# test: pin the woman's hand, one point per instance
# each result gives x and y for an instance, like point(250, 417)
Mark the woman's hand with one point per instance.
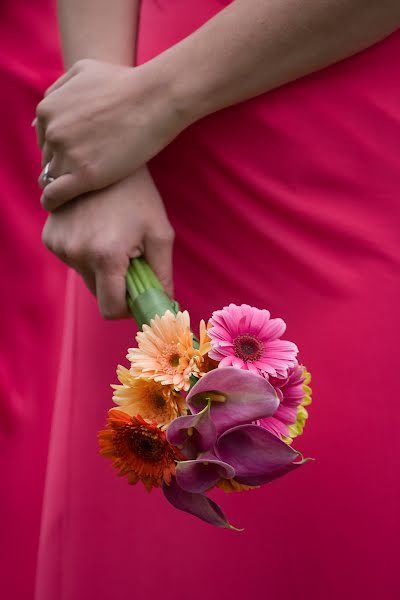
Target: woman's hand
point(99, 122)
point(98, 233)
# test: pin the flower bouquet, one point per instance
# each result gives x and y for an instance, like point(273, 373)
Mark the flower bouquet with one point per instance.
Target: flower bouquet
point(193, 413)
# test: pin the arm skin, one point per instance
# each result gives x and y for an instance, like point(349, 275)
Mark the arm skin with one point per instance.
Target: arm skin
point(254, 46)
point(89, 29)
point(250, 47)
point(98, 233)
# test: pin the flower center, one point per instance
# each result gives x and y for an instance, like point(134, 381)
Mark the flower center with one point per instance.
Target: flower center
point(248, 347)
point(159, 401)
point(169, 359)
point(145, 444)
point(174, 360)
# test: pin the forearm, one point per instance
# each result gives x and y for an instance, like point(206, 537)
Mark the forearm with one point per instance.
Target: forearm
point(253, 46)
point(98, 29)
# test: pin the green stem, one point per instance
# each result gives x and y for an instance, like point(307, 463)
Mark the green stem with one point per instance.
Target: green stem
point(133, 291)
point(145, 294)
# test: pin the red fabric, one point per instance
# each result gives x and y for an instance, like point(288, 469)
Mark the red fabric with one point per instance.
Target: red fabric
point(289, 202)
point(31, 297)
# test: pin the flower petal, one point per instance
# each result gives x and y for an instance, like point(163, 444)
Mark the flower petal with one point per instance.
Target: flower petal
point(257, 455)
point(237, 396)
point(196, 504)
point(200, 475)
point(193, 433)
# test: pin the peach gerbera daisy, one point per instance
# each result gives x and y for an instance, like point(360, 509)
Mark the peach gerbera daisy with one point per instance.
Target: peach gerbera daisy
point(148, 398)
point(138, 449)
point(165, 351)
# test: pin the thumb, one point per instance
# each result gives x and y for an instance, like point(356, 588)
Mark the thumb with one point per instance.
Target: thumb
point(158, 249)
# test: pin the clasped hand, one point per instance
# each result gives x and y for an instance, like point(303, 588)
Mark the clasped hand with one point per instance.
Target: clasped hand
point(97, 127)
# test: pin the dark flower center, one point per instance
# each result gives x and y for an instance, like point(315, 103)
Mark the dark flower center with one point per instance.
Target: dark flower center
point(149, 446)
point(159, 401)
point(248, 347)
point(174, 360)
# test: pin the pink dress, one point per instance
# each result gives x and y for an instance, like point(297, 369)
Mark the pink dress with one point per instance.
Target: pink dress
point(32, 298)
point(291, 202)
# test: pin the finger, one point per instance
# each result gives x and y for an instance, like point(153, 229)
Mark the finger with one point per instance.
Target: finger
point(111, 294)
point(158, 252)
point(40, 126)
point(65, 188)
point(59, 82)
point(52, 169)
point(46, 155)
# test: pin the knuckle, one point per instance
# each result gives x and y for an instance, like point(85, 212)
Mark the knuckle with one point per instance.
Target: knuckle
point(42, 109)
point(163, 237)
point(88, 172)
point(53, 135)
point(73, 251)
point(105, 257)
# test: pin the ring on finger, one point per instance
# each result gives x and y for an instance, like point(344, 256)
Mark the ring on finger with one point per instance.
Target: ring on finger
point(45, 177)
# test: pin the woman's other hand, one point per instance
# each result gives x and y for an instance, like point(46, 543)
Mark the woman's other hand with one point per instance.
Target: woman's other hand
point(99, 122)
point(97, 234)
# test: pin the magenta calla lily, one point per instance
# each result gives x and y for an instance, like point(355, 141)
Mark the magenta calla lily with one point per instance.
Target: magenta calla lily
point(197, 505)
point(201, 474)
point(223, 442)
point(256, 455)
point(193, 433)
point(236, 397)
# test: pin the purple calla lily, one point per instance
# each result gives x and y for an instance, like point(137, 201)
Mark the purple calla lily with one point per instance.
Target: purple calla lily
point(236, 396)
point(196, 504)
point(193, 433)
point(256, 455)
point(222, 441)
point(201, 474)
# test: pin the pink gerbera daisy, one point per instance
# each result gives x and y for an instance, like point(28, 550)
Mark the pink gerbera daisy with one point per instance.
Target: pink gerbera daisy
point(247, 338)
point(295, 394)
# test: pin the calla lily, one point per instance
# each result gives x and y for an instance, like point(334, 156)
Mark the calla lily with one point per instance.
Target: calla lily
point(193, 433)
point(236, 397)
point(256, 455)
point(201, 474)
point(196, 504)
point(223, 442)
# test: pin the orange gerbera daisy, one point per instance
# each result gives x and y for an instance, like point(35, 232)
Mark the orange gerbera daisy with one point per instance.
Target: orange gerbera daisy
point(138, 449)
point(165, 351)
point(152, 400)
point(203, 363)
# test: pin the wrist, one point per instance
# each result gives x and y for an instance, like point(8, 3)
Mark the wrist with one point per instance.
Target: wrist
point(181, 90)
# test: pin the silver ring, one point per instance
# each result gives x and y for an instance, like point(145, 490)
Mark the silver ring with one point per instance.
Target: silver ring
point(45, 177)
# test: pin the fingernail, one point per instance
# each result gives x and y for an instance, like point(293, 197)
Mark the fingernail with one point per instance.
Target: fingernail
point(33, 124)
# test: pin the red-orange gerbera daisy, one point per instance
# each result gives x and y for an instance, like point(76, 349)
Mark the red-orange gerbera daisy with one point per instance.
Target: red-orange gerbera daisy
point(138, 449)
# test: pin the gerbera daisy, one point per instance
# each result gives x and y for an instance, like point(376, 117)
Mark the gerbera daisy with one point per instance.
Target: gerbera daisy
point(165, 351)
point(148, 398)
point(200, 359)
point(138, 449)
point(295, 394)
point(247, 338)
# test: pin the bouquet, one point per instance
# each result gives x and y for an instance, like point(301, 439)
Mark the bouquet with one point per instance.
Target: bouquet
point(193, 414)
